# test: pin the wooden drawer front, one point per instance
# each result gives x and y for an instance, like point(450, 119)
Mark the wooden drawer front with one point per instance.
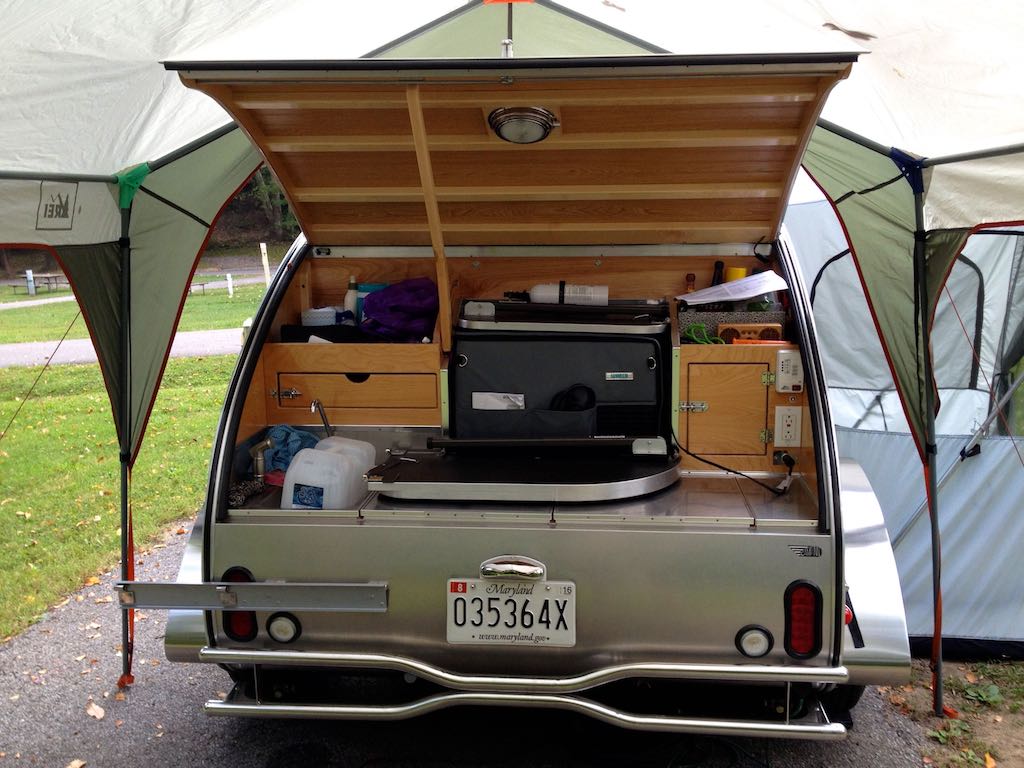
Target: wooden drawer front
point(328, 358)
point(359, 390)
point(737, 411)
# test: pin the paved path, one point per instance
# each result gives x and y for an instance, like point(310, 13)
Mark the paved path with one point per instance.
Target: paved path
point(186, 344)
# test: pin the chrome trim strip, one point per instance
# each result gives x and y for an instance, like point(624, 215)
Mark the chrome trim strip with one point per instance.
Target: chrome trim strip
point(371, 597)
point(328, 251)
point(815, 727)
point(623, 489)
point(490, 683)
point(492, 325)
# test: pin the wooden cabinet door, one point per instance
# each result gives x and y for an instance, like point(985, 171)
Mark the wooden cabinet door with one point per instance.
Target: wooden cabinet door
point(737, 408)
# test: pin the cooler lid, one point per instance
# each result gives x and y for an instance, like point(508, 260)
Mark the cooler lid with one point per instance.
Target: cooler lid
point(638, 150)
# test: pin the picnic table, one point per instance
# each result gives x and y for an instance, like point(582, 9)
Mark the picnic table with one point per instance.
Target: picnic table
point(52, 281)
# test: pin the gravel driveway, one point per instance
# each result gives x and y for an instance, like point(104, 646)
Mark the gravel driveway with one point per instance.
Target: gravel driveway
point(53, 672)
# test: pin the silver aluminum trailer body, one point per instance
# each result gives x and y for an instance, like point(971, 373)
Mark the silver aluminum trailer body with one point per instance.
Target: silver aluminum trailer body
point(705, 586)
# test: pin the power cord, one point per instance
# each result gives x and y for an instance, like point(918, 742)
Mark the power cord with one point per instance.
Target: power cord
point(778, 490)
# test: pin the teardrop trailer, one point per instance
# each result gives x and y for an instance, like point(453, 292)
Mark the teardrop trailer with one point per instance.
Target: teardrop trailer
point(574, 507)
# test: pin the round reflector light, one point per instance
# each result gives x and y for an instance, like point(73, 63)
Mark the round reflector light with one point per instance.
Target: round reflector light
point(754, 641)
point(283, 627)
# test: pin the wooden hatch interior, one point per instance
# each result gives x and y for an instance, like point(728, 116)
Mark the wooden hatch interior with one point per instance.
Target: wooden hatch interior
point(644, 150)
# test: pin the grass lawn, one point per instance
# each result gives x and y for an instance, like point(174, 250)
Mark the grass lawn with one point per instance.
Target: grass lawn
point(211, 311)
point(59, 462)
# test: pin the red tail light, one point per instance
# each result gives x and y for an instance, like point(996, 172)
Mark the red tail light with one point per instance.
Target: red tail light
point(240, 626)
point(803, 620)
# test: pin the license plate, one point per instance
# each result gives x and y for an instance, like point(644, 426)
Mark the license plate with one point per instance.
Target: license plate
point(486, 612)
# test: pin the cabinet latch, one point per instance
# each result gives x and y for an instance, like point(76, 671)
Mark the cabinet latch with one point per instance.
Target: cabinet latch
point(693, 406)
point(767, 436)
point(768, 378)
point(286, 394)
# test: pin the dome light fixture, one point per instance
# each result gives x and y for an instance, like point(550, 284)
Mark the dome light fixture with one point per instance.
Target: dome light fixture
point(522, 125)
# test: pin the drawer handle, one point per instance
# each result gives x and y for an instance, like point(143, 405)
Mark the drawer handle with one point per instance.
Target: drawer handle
point(357, 378)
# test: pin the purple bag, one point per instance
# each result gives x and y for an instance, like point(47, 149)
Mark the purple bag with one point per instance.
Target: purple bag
point(405, 311)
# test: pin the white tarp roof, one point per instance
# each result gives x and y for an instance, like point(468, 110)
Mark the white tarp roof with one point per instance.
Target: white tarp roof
point(84, 91)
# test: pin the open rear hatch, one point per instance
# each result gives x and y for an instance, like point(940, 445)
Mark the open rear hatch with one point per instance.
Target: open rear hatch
point(651, 150)
point(639, 150)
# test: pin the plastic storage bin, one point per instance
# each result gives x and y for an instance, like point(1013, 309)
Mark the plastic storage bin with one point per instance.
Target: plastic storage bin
point(322, 480)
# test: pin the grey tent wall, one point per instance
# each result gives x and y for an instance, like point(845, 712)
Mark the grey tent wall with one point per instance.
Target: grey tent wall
point(981, 529)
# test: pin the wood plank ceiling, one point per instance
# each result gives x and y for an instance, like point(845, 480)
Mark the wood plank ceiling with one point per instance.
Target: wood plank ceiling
point(698, 157)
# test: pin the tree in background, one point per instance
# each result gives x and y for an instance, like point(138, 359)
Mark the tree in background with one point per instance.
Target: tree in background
point(14, 261)
point(265, 190)
point(259, 212)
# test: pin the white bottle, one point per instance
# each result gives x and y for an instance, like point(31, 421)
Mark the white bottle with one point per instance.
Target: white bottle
point(564, 293)
point(352, 300)
point(322, 480)
point(362, 455)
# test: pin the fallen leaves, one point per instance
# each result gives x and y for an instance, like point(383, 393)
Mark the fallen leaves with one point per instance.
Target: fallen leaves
point(76, 764)
point(92, 709)
point(92, 581)
point(989, 761)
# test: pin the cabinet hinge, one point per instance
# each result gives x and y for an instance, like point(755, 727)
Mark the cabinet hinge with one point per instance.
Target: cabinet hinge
point(694, 406)
point(767, 436)
point(768, 378)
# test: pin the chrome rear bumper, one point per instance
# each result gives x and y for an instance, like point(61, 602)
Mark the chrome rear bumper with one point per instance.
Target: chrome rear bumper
point(814, 726)
point(753, 673)
point(543, 693)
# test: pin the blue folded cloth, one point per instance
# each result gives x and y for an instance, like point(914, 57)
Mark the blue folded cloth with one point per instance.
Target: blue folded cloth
point(287, 442)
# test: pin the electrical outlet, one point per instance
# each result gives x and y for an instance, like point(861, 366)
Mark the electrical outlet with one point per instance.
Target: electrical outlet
point(787, 426)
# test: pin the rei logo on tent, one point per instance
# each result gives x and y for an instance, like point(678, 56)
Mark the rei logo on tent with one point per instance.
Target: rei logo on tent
point(56, 204)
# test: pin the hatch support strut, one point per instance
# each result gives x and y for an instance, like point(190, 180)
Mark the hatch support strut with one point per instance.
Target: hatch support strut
point(419, 137)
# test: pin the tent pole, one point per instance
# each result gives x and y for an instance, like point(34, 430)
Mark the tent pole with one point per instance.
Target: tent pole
point(127, 570)
point(856, 138)
point(930, 447)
